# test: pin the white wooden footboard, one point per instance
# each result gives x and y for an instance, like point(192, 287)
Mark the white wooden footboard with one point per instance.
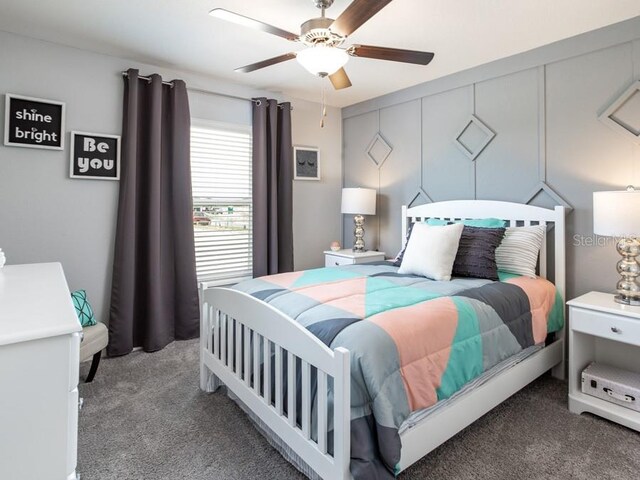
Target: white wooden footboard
point(240, 337)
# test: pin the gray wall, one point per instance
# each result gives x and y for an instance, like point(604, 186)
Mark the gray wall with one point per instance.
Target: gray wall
point(316, 204)
point(45, 216)
point(543, 106)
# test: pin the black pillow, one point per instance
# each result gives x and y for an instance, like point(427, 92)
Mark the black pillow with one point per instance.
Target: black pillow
point(476, 255)
point(398, 261)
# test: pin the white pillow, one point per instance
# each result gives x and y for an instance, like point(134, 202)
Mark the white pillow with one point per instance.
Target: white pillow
point(431, 250)
point(518, 251)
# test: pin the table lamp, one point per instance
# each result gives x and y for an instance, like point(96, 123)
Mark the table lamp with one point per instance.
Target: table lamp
point(617, 214)
point(359, 202)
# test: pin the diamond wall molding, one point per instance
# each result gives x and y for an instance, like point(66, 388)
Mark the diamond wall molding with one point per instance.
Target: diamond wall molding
point(474, 137)
point(418, 194)
point(544, 187)
point(623, 115)
point(379, 150)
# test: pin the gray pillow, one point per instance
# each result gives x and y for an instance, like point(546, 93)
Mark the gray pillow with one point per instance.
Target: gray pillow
point(476, 255)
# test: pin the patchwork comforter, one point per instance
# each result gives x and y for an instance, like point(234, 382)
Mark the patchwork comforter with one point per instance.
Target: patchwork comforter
point(413, 341)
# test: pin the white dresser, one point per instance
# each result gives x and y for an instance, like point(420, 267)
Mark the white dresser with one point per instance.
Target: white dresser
point(39, 366)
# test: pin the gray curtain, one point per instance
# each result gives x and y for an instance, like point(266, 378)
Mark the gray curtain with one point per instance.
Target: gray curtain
point(272, 188)
point(154, 294)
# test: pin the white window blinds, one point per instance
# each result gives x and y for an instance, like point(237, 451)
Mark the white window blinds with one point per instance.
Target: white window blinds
point(222, 209)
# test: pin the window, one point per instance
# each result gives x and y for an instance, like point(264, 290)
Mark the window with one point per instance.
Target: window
point(222, 210)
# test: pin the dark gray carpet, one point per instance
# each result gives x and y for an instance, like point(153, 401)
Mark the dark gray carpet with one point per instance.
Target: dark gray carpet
point(144, 417)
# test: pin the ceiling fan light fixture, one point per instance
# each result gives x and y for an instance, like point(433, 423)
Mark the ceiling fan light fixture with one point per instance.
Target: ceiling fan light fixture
point(322, 60)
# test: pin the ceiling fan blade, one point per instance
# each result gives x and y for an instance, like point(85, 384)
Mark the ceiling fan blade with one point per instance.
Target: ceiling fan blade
point(340, 79)
point(266, 63)
point(356, 14)
point(251, 23)
point(392, 54)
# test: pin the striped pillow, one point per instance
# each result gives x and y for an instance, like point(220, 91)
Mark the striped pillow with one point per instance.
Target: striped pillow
point(518, 252)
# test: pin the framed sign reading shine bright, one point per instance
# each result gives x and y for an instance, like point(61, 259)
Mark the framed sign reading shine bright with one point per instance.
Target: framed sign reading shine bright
point(33, 122)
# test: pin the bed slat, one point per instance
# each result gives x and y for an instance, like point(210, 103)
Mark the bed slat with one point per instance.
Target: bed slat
point(341, 408)
point(306, 407)
point(239, 328)
point(256, 363)
point(322, 411)
point(207, 315)
point(223, 338)
point(247, 357)
point(278, 360)
point(216, 322)
point(266, 371)
point(291, 389)
point(231, 325)
point(543, 252)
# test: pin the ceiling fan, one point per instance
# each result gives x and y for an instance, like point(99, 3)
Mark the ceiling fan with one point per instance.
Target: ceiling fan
point(324, 55)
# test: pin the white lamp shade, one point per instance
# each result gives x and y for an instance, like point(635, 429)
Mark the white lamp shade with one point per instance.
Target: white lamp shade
point(616, 214)
point(322, 60)
point(359, 201)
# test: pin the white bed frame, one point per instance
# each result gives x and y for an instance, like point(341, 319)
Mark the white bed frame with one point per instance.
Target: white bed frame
point(269, 335)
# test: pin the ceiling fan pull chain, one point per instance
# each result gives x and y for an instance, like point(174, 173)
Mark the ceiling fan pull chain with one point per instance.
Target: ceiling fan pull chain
point(323, 110)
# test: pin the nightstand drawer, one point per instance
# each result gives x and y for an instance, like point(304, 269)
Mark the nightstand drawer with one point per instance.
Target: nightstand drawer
point(613, 327)
point(334, 261)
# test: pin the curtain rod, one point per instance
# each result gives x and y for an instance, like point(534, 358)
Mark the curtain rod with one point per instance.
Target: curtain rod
point(200, 90)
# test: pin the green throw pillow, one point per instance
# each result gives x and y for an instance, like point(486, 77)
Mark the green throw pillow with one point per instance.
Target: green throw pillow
point(472, 222)
point(83, 308)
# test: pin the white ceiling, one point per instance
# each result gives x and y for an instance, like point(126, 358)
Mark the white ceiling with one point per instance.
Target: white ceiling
point(179, 34)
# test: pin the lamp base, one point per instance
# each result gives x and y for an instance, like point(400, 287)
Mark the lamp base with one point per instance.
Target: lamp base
point(626, 300)
point(627, 288)
point(358, 232)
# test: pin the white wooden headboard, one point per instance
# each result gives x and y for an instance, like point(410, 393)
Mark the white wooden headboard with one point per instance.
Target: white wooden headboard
point(516, 214)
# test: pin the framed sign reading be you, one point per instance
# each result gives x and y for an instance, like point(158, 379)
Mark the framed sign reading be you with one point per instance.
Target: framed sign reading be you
point(95, 156)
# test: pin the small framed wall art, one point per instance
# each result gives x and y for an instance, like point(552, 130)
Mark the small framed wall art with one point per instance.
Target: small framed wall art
point(94, 156)
point(33, 122)
point(306, 163)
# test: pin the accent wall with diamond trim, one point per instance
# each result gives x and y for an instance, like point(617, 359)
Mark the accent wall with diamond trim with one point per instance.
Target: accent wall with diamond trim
point(546, 127)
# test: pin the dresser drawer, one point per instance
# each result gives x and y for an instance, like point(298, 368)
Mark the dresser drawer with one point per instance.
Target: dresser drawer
point(334, 261)
point(614, 327)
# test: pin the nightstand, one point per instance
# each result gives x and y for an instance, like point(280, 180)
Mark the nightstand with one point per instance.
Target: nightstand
point(603, 331)
point(348, 257)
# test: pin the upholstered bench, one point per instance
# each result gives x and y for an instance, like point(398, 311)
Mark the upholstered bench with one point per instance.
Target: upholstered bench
point(94, 340)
